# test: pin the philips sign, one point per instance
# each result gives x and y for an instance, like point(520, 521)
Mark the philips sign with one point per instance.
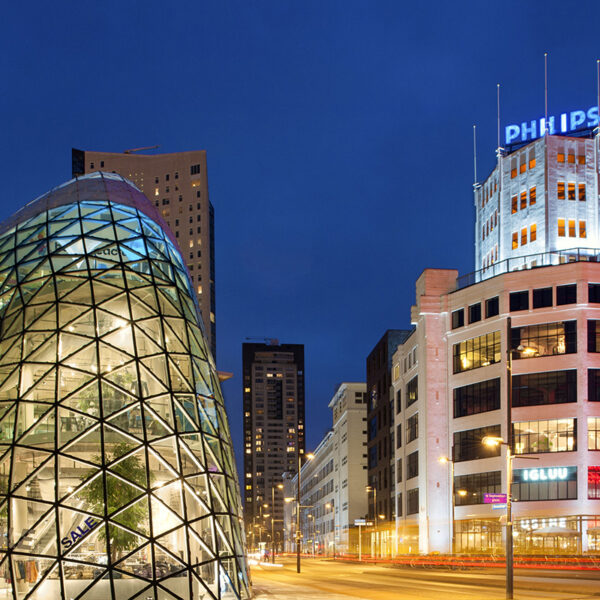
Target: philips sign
point(571, 121)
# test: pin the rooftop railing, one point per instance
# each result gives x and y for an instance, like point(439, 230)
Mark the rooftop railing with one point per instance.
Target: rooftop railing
point(530, 261)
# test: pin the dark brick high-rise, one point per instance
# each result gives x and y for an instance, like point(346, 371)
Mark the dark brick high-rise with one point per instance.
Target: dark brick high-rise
point(380, 420)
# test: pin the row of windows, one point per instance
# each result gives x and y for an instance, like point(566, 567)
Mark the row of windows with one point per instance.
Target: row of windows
point(560, 158)
point(492, 309)
point(551, 435)
point(542, 297)
point(562, 224)
point(524, 164)
point(573, 191)
point(487, 191)
point(489, 225)
point(523, 236)
point(529, 389)
point(490, 258)
point(520, 200)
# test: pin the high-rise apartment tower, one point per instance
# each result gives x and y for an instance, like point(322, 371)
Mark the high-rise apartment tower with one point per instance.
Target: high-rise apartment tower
point(177, 185)
point(273, 430)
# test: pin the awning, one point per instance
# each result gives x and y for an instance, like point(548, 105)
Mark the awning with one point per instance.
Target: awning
point(555, 531)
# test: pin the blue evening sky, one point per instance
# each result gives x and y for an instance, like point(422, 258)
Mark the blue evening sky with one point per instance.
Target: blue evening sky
point(338, 133)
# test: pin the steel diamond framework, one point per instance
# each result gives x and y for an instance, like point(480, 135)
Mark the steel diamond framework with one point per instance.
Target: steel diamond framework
point(117, 477)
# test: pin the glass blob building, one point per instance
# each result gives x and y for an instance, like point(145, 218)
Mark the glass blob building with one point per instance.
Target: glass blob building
point(117, 476)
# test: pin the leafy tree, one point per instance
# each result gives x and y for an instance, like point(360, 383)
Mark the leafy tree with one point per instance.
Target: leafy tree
point(119, 494)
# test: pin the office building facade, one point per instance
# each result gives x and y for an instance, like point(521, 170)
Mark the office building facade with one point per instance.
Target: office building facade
point(547, 319)
point(117, 478)
point(177, 185)
point(274, 435)
point(333, 482)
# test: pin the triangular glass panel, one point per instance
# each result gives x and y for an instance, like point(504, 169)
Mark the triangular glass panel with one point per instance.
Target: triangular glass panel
point(136, 517)
point(150, 385)
point(113, 398)
point(129, 420)
point(161, 405)
point(135, 280)
point(86, 399)
point(160, 469)
point(70, 343)
point(118, 306)
point(155, 428)
point(110, 357)
point(7, 425)
point(104, 291)
point(125, 377)
point(19, 532)
point(43, 380)
point(40, 317)
point(185, 424)
point(82, 325)
point(71, 424)
point(10, 350)
point(42, 433)
point(122, 338)
point(193, 442)
point(157, 366)
point(163, 519)
point(136, 563)
point(46, 352)
point(118, 442)
point(172, 495)
point(80, 447)
point(108, 322)
point(146, 295)
point(196, 509)
point(120, 493)
point(189, 462)
point(86, 359)
point(167, 448)
point(180, 371)
point(145, 346)
point(40, 539)
point(152, 328)
point(34, 483)
point(166, 305)
point(77, 527)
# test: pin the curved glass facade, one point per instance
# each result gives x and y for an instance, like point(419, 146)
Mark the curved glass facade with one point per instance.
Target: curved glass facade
point(117, 477)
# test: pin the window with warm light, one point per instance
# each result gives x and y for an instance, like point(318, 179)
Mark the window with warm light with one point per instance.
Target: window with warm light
point(561, 228)
point(477, 352)
point(560, 157)
point(571, 191)
point(582, 229)
point(581, 190)
point(524, 236)
point(552, 435)
point(532, 195)
point(523, 200)
point(560, 190)
point(593, 424)
point(572, 231)
point(515, 240)
point(533, 232)
point(514, 204)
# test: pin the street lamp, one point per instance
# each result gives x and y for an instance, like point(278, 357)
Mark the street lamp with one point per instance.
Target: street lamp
point(299, 530)
point(280, 487)
point(490, 442)
point(372, 488)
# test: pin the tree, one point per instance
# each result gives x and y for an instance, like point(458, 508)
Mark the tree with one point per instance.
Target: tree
point(118, 495)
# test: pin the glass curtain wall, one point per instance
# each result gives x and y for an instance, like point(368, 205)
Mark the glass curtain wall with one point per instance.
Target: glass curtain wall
point(117, 477)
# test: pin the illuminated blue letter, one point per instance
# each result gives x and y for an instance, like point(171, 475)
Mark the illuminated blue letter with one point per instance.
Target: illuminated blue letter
point(512, 133)
point(592, 116)
point(528, 130)
point(577, 118)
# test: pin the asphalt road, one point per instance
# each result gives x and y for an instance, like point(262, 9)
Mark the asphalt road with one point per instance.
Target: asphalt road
point(328, 580)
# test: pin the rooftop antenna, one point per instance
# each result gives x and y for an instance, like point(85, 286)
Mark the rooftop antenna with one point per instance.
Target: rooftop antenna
point(598, 87)
point(545, 93)
point(498, 109)
point(474, 155)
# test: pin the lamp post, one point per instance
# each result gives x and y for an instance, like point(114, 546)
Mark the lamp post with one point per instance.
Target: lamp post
point(498, 441)
point(373, 488)
point(280, 487)
point(298, 528)
point(450, 462)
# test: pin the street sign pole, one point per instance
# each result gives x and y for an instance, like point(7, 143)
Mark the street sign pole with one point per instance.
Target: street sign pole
point(359, 543)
